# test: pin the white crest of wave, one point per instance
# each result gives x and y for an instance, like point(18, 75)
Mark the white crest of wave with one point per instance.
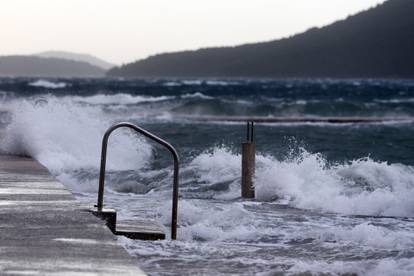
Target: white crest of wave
point(192, 82)
point(196, 95)
point(48, 84)
point(308, 181)
point(367, 234)
point(363, 187)
point(394, 100)
point(119, 99)
point(385, 267)
point(198, 221)
point(171, 83)
point(218, 82)
point(220, 164)
point(65, 136)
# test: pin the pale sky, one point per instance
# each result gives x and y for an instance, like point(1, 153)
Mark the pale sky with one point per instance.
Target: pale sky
point(121, 31)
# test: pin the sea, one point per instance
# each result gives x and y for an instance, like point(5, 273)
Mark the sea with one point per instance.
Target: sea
point(331, 198)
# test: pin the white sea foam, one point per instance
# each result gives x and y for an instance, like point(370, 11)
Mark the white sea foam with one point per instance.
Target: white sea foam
point(119, 99)
point(385, 267)
point(219, 83)
point(217, 166)
point(208, 82)
point(308, 181)
point(367, 234)
point(394, 100)
point(172, 83)
point(220, 164)
point(192, 82)
point(363, 187)
point(65, 136)
point(48, 84)
point(199, 221)
point(196, 95)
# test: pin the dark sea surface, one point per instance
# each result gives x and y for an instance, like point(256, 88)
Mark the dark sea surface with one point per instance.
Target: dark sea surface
point(331, 199)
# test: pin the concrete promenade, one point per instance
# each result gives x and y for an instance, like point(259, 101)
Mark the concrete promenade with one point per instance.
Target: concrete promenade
point(45, 231)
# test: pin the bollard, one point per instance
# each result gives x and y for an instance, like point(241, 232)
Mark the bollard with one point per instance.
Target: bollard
point(248, 163)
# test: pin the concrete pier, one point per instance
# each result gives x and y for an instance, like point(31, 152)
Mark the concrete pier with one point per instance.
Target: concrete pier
point(44, 230)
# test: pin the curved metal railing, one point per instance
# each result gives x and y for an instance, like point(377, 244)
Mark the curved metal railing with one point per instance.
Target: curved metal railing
point(160, 141)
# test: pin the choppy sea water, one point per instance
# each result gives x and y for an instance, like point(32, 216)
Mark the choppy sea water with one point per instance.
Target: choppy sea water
point(331, 199)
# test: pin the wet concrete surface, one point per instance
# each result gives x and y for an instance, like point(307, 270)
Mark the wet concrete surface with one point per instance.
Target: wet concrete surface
point(44, 230)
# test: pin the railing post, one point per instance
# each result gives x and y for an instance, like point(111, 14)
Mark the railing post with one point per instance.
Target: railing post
point(174, 211)
point(102, 169)
point(248, 163)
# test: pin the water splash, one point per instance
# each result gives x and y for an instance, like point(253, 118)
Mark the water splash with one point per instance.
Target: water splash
point(65, 136)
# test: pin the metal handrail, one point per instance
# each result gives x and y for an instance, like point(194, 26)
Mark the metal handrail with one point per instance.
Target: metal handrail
point(160, 141)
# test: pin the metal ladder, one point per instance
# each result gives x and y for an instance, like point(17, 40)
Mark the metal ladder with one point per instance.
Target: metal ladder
point(110, 216)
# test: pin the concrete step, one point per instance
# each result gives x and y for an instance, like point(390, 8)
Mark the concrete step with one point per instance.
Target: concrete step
point(136, 229)
point(139, 229)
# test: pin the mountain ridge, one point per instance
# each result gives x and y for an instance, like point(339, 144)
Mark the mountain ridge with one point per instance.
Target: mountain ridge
point(93, 60)
point(33, 66)
point(375, 43)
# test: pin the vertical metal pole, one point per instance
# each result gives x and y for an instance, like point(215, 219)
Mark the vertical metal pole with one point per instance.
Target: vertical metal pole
point(102, 169)
point(248, 164)
point(174, 210)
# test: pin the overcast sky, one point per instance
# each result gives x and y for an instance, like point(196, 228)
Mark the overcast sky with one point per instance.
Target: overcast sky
point(125, 30)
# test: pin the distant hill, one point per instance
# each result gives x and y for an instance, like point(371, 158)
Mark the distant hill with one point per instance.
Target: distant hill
point(377, 43)
point(32, 66)
point(77, 57)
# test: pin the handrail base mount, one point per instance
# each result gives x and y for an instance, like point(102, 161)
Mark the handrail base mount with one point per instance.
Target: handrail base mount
point(136, 229)
point(107, 214)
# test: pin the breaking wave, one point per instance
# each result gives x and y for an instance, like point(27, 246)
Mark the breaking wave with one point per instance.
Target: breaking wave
point(65, 136)
point(308, 181)
point(119, 99)
point(197, 95)
point(48, 84)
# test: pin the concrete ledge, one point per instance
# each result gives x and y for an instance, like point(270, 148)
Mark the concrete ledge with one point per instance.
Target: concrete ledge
point(45, 231)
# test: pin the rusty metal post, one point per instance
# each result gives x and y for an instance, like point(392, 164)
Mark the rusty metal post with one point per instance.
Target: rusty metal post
point(248, 163)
